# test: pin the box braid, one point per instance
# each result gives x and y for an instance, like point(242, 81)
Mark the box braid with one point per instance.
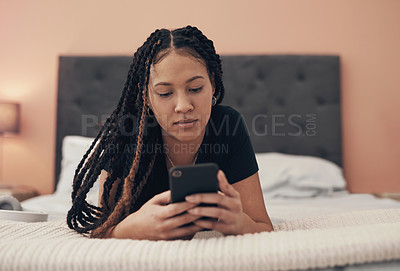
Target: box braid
point(193, 38)
point(84, 217)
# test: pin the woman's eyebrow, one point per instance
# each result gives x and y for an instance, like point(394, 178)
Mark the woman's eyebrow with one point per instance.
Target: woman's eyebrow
point(169, 84)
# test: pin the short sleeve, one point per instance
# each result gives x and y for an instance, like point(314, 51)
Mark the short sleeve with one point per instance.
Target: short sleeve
point(241, 162)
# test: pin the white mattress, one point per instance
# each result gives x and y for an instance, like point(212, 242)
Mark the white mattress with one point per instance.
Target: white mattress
point(351, 238)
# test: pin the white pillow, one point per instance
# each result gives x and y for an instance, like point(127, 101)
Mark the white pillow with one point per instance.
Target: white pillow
point(73, 150)
point(286, 175)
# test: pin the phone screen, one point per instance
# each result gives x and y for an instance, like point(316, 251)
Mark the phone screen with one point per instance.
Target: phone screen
point(187, 180)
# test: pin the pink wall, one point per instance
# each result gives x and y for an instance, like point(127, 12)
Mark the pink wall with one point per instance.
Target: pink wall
point(363, 32)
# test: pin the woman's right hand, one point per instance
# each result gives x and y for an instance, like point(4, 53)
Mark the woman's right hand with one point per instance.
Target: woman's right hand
point(158, 219)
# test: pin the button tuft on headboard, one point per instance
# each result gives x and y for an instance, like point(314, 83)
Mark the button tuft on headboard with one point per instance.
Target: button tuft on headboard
point(321, 101)
point(77, 101)
point(321, 152)
point(280, 101)
point(260, 75)
point(301, 77)
point(99, 76)
point(239, 101)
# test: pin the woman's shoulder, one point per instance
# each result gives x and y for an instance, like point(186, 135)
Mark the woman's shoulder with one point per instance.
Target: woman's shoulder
point(225, 121)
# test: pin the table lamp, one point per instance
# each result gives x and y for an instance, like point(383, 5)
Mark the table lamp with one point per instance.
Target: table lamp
point(9, 123)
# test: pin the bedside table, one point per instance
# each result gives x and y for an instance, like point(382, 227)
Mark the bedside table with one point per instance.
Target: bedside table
point(391, 195)
point(20, 192)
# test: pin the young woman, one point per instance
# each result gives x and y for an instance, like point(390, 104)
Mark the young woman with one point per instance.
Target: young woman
point(169, 114)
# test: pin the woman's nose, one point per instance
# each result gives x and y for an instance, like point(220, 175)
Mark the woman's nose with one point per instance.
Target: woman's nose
point(183, 104)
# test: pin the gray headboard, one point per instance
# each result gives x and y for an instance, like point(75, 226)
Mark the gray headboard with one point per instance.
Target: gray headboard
point(291, 103)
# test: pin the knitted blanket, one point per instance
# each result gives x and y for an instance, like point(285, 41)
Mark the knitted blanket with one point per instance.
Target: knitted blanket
point(318, 242)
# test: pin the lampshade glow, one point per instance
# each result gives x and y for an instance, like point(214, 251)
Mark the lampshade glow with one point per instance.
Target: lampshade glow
point(9, 117)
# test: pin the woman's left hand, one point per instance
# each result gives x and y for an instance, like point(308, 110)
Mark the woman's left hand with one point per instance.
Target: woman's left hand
point(228, 216)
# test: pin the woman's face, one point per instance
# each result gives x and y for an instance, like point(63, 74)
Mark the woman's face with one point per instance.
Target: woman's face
point(180, 95)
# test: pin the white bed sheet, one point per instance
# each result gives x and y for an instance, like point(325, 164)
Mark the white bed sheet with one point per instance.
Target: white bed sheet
point(55, 205)
point(287, 209)
point(279, 209)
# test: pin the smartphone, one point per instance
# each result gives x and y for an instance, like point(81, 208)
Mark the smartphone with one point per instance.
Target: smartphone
point(187, 180)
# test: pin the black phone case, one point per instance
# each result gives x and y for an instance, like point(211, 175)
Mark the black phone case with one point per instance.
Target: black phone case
point(187, 180)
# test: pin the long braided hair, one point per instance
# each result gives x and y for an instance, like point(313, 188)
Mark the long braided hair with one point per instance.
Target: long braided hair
point(132, 124)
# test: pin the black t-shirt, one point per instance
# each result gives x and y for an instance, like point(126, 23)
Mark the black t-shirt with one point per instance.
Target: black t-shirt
point(226, 142)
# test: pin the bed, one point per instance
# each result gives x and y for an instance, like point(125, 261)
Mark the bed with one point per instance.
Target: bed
point(291, 105)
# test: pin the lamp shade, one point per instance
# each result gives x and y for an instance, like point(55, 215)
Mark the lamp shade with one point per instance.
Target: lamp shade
point(9, 117)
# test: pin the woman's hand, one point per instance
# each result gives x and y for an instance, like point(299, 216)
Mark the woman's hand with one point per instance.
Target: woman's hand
point(159, 220)
point(229, 217)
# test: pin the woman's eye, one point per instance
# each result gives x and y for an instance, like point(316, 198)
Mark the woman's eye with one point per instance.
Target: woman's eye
point(196, 89)
point(164, 94)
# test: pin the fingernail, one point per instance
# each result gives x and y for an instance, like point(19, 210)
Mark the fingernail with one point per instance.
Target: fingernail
point(190, 198)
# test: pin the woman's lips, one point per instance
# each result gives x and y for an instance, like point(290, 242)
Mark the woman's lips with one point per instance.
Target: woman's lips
point(186, 123)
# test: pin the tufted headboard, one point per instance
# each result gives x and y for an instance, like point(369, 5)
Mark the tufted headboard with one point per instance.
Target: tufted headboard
point(291, 103)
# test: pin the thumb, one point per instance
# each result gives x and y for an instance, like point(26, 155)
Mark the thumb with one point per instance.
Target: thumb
point(224, 185)
point(163, 198)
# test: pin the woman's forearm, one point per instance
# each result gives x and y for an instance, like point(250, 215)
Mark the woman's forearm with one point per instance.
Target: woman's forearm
point(115, 232)
point(110, 233)
point(122, 231)
point(250, 226)
point(119, 232)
